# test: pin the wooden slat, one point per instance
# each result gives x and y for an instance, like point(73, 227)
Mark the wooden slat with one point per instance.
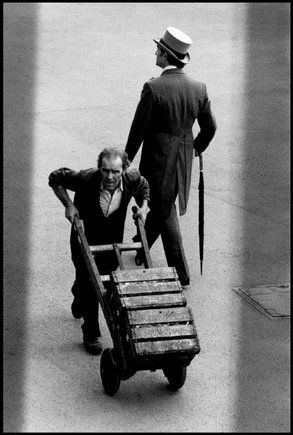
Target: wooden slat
point(122, 246)
point(158, 332)
point(153, 274)
point(134, 288)
point(159, 315)
point(147, 301)
point(166, 346)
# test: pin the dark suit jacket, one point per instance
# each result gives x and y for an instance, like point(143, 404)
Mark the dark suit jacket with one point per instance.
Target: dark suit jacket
point(86, 185)
point(163, 120)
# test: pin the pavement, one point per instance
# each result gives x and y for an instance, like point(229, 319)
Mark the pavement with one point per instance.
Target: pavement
point(73, 73)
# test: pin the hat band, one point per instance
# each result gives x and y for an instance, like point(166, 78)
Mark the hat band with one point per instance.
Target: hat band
point(179, 55)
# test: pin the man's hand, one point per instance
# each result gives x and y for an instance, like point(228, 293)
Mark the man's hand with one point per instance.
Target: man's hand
point(70, 209)
point(141, 213)
point(70, 212)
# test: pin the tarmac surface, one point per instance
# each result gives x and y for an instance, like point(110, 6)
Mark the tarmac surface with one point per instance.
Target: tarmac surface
point(73, 73)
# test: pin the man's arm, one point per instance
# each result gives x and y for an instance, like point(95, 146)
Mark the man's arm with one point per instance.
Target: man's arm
point(140, 121)
point(140, 191)
point(142, 197)
point(61, 180)
point(142, 211)
point(70, 209)
point(208, 126)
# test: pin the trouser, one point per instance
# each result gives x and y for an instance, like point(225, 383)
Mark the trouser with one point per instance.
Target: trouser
point(84, 291)
point(168, 228)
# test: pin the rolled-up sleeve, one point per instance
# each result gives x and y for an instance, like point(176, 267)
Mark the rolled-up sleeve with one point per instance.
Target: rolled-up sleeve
point(65, 177)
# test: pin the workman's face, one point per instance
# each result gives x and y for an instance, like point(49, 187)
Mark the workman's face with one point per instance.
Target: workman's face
point(111, 172)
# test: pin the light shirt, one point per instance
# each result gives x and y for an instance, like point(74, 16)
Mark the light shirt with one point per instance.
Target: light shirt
point(109, 203)
point(169, 67)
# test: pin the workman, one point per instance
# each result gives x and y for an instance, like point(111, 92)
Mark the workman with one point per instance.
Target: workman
point(101, 197)
point(163, 121)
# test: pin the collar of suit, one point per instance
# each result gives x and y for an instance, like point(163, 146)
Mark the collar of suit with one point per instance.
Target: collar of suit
point(173, 71)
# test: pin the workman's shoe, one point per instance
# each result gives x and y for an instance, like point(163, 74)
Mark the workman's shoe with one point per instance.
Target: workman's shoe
point(76, 309)
point(93, 346)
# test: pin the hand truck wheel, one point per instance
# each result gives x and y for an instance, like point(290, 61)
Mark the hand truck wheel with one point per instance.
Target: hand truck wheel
point(109, 373)
point(176, 376)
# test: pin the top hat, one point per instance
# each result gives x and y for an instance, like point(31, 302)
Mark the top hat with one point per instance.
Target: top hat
point(175, 43)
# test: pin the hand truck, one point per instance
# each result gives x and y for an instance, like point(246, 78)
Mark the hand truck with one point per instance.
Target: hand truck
point(146, 312)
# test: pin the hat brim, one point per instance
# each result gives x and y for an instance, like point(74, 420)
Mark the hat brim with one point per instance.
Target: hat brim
point(185, 60)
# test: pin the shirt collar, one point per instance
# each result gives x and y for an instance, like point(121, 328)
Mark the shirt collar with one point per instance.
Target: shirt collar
point(169, 67)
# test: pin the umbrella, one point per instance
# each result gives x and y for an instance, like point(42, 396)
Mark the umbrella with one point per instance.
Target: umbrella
point(201, 211)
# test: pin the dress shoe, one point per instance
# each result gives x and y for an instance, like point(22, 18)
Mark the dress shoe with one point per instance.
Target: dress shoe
point(93, 346)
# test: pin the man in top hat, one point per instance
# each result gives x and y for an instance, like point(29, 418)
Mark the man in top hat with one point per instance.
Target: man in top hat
point(163, 121)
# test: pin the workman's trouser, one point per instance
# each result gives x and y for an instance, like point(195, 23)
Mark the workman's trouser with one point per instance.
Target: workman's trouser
point(84, 293)
point(168, 228)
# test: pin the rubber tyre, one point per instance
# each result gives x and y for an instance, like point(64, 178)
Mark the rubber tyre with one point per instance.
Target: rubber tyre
point(127, 374)
point(109, 373)
point(176, 376)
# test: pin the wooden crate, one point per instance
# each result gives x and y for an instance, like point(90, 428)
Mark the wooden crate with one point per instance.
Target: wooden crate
point(160, 325)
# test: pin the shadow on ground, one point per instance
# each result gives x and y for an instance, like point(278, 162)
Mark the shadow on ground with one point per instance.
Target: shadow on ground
point(266, 225)
point(20, 26)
